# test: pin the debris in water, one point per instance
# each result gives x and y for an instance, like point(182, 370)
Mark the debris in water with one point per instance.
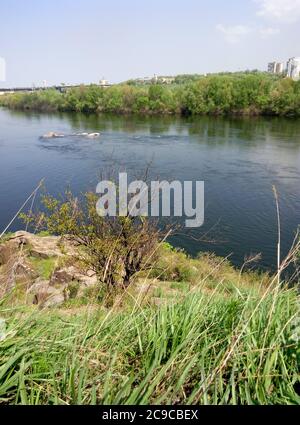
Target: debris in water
point(53, 135)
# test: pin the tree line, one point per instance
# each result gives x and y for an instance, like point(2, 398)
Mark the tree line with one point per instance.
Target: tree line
point(221, 94)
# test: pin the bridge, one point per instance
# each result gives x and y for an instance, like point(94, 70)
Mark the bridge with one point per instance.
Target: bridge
point(60, 88)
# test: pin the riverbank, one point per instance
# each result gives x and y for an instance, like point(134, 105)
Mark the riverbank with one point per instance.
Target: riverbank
point(46, 271)
point(248, 94)
point(203, 333)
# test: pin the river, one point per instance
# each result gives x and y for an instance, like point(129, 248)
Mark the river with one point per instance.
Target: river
point(239, 160)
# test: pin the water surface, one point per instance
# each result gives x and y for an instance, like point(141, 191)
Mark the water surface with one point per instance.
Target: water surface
point(239, 160)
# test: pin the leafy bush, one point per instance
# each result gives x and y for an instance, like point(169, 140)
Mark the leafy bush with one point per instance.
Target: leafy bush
point(116, 248)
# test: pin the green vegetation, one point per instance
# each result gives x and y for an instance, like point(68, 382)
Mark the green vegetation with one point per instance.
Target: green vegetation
point(115, 248)
point(44, 266)
point(250, 93)
point(166, 345)
point(188, 331)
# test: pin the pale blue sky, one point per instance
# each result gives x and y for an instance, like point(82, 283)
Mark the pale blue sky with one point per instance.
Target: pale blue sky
point(81, 41)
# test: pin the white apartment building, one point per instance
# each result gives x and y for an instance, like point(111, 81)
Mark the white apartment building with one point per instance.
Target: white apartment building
point(103, 83)
point(293, 68)
point(275, 67)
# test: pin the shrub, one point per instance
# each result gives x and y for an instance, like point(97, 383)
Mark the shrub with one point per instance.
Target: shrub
point(116, 248)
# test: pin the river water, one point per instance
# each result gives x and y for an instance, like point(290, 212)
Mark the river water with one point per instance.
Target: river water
point(239, 160)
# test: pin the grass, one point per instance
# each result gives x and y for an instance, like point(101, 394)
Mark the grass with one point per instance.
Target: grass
point(6, 237)
point(192, 331)
point(205, 348)
point(175, 266)
point(44, 267)
point(43, 233)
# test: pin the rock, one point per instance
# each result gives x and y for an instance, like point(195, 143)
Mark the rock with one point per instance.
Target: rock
point(47, 246)
point(54, 300)
point(90, 273)
point(17, 268)
point(23, 270)
point(93, 135)
point(88, 281)
point(45, 295)
point(39, 291)
point(40, 247)
point(70, 274)
point(39, 285)
point(63, 276)
point(8, 250)
point(52, 135)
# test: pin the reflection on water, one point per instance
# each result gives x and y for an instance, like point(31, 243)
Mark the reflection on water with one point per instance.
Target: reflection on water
point(239, 159)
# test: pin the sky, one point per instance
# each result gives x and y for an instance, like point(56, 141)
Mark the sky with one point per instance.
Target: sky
point(83, 41)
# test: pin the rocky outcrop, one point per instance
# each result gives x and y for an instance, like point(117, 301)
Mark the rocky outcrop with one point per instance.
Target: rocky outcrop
point(62, 276)
point(16, 265)
point(16, 268)
point(8, 250)
point(40, 246)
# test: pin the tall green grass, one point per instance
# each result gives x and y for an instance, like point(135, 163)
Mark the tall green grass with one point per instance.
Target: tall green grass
point(206, 349)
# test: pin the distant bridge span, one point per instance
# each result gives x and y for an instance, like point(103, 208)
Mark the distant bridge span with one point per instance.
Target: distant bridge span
point(60, 88)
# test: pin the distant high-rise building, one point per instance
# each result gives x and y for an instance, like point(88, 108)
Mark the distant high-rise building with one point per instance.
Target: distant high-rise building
point(293, 68)
point(275, 67)
point(279, 68)
point(103, 83)
point(271, 67)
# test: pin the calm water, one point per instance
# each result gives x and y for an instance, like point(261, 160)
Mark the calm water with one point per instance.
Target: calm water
point(239, 160)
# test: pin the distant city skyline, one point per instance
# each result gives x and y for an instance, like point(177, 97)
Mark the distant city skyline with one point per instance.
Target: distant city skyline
point(290, 69)
point(84, 41)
